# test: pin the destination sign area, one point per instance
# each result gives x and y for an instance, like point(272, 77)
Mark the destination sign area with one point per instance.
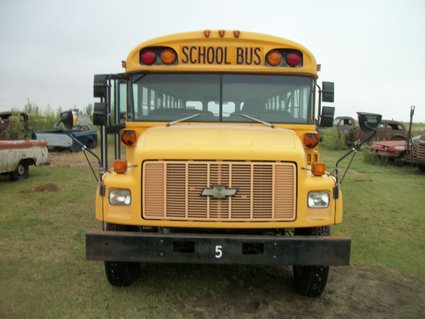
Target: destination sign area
point(212, 55)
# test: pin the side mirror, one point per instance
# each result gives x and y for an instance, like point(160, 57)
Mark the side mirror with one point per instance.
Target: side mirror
point(100, 85)
point(327, 116)
point(67, 118)
point(328, 92)
point(100, 114)
point(368, 121)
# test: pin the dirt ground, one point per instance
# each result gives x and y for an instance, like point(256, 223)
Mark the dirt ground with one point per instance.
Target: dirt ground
point(352, 292)
point(69, 159)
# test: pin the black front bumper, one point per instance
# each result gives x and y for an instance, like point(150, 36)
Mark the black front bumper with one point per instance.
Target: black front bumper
point(217, 249)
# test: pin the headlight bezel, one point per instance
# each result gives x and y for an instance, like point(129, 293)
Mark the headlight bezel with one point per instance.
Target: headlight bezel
point(318, 199)
point(119, 197)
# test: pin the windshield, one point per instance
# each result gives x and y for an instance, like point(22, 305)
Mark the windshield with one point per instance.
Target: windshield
point(221, 97)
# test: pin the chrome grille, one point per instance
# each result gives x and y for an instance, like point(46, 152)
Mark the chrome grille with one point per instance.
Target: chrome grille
point(420, 150)
point(265, 191)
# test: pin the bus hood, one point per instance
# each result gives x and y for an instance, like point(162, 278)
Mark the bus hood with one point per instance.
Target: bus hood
point(220, 142)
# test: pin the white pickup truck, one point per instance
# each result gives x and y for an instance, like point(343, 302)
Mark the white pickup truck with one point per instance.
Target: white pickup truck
point(17, 156)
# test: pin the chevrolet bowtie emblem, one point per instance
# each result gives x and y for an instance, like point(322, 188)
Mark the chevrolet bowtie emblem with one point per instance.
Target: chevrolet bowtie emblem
point(219, 191)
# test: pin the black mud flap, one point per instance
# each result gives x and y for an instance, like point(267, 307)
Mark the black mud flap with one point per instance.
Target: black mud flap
point(217, 249)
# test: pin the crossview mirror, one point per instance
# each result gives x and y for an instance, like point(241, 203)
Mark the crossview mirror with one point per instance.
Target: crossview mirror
point(328, 91)
point(100, 85)
point(368, 121)
point(100, 114)
point(327, 116)
point(67, 119)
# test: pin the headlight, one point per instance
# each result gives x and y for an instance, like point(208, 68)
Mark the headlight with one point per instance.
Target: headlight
point(318, 199)
point(120, 197)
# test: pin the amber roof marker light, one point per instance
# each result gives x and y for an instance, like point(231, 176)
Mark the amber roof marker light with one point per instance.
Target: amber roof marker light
point(207, 33)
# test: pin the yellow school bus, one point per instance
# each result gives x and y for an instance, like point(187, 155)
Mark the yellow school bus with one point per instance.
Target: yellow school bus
point(216, 159)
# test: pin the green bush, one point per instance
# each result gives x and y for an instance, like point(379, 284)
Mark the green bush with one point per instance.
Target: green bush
point(15, 129)
point(373, 159)
point(41, 120)
point(333, 140)
point(417, 128)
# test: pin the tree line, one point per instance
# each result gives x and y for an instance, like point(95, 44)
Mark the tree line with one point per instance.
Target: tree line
point(40, 119)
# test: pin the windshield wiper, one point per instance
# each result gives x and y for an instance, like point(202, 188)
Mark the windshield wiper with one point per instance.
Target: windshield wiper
point(183, 119)
point(257, 120)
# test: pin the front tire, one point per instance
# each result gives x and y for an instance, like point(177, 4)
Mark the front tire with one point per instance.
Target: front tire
point(121, 274)
point(311, 281)
point(20, 173)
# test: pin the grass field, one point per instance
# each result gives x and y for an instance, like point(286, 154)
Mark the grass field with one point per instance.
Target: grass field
point(384, 214)
point(44, 274)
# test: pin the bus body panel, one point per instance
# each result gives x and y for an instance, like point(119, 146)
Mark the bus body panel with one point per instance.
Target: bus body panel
point(221, 159)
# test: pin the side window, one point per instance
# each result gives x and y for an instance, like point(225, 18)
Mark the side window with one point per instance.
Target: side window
point(228, 108)
point(194, 105)
point(214, 108)
point(123, 101)
point(118, 101)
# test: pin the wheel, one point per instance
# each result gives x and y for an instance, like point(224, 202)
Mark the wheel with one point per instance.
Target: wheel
point(121, 274)
point(20, 173)
point(422, 168)
point(311, 280)
point(91, 143)
point(399, 161)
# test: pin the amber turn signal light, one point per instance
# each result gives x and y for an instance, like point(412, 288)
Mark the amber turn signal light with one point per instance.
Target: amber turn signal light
point(128, 137)
point(168, 56)
point(318, 168)
point(274, 58)
point(120, 166)
point(311, 140)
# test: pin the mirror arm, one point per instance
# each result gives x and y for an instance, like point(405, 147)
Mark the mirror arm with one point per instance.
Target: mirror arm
point(320, 102)
point(85, 149)
point(353, 151)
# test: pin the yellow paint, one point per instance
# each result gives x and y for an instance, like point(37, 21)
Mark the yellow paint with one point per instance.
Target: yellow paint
point(220, 141)
point(247, 41)
point(215, 141)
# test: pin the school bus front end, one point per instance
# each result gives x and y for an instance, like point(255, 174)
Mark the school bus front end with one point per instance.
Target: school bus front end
point(221, 163)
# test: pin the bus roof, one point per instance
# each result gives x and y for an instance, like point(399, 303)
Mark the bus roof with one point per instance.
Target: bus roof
point(223, 51)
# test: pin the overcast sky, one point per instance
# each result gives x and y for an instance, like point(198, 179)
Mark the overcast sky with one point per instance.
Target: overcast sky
point(374, 51)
